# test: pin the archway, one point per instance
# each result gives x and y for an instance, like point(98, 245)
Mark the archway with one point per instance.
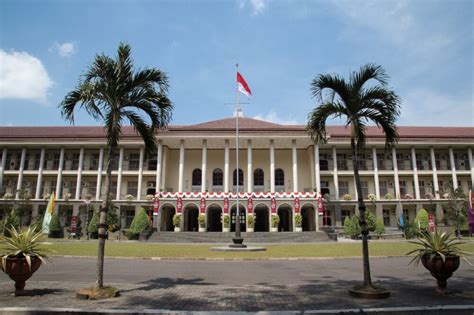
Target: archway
point(214, 223)
point(243, 221)
point(166, 220)
point(286, 218)
point(308, 215)
point(191, 213)
point(262, 218)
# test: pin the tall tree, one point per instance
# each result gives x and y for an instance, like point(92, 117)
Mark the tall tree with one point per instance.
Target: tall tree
point(112, 92)
point(363, 99)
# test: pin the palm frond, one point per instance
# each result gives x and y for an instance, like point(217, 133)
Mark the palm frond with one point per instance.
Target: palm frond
point(332, 82)
point(367, 72)
point(146, 132)
point(316, 126)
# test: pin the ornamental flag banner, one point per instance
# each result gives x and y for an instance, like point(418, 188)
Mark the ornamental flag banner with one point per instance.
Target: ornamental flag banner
point(202, 206)
point(48, 213)
point(156, 204)
point(243, 86)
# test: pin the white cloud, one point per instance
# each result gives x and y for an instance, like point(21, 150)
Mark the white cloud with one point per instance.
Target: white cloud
point(257, 6)
point(64, 50)
point(23, 76)
point(273, 117)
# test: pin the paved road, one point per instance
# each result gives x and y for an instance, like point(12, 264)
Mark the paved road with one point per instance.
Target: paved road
point(237, 285)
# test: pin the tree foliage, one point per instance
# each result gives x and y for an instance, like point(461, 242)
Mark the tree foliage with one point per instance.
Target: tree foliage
point(421, 220)
point(456, 208)
point(12, 219)
point(140, 222)
point(379, 226)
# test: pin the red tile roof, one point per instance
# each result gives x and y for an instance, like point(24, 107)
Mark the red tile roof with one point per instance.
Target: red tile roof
point(228, 124)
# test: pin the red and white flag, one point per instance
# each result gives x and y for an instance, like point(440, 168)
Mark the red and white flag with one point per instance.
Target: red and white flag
point(243, 86)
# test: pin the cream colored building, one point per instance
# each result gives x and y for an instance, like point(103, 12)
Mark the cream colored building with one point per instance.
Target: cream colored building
point(196, 165)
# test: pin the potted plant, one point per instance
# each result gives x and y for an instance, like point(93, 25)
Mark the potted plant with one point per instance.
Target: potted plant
point(347, 197)
point(225, 223)
point(55, 228)
point(250, 223)
point(177, 222)
point(140, 226)
point(298, 222)
point(23, 256)
point(372, 197)
point(275, 222)
point(8, 196)
point(202, 223)
point(440, 254)
point(388, 196)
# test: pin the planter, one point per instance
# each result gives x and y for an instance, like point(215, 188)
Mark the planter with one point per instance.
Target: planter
point(250, 229)
point(226, 229)
point(274, 229)
point(299, 229)
point(442, 271)
point(202, 229)
point(144, 236)
point(177, 229)
point(19, 271)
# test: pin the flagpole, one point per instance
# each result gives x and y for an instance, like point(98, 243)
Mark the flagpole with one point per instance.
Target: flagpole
point(237, 240)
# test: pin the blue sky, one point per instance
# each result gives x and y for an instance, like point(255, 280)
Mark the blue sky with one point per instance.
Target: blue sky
point(425, 46)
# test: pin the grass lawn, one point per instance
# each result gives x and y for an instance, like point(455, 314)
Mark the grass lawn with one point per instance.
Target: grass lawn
point(197, 251)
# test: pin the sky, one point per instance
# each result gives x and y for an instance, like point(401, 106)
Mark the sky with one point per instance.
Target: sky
point(425, 46)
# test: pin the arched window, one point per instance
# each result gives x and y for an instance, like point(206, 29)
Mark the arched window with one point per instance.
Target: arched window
point(258, 177)
point(197, 177)
point(279, 177)
point(241, 177)
point(217, 177)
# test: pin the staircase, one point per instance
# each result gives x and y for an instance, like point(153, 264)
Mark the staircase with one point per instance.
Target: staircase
point(226, 238)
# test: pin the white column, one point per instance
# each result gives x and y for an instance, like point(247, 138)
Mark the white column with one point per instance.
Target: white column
point(20, 174)
point(272, 166)
point(335, 176)
point(471, 164)
point(295, 165)
point(415, 173)
point(163, 169)
point(395, 173)
point(435, 174)
point(60, 174)
point(317, 168)
point(226, 166)
point(2, 166)
point(310, 153)
point(204, 166)
point(99, 174)
point(119, 175)
point(376, 174)
point(181, 167)
point(249, 167)
point(79, 175)
point(39, 180)
point(453, 168)
point(159, 154)
point(140, 174)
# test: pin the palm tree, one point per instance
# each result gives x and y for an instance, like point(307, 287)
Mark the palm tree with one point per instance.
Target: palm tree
point(112, 92)
point(359, 103)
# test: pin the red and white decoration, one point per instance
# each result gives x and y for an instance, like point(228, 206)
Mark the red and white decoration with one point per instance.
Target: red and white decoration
point(202, 206)
point(233, 195)
point(226, 205)
point(156, 204)
point(243, 86)
point(273, 205)
point(250, 205)
point(179, 205)
point(297, 205)
point(320, 205)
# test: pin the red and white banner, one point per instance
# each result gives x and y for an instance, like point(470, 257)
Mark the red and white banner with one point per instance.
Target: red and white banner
point(320, 204)
point(74, 224)
point(202, 206)
point(431, 222)
point(226, 205)
point(243, 86)
point(156, 204)
point(250, 205)
point(297, 205)
point(273, 205)
point(232, 195)
point(179, 205)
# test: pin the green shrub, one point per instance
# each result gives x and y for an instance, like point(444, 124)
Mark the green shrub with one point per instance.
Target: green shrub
point(113, 220)
point(92, 228)
point(370, 220)
point(298, 220)
point(225, 221)
point(177, 220)
point(202, 220)
point(37, 224)
point(275, 220)
point(55, 228)
point(355, 226)
point(140, 222)
point(421, 220)
point(2, 226)
point(379, 226)
point(250, 221)
point(347, 226)
point(12, 219)
point(410, 230)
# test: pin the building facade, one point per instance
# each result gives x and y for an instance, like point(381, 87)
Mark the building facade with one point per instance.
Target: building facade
point(281, 171)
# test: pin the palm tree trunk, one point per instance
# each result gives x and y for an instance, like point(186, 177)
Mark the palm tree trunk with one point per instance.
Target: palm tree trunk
point(103, 219)
point(362, 222)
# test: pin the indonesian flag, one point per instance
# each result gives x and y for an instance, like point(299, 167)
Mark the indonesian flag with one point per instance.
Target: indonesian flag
point(243, 86)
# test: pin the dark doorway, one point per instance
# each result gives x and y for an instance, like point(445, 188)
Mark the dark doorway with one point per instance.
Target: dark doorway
point(286, 220)
point(242, 218)
point(261, 219)
point(214, 223)
point(308, 215)
point(191, 214)
point(325, 191)
point(167, 213)
point(151, 191)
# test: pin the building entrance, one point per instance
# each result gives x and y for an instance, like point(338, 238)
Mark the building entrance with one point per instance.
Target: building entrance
point(243, 220)
point(308, 215)
point(191, 214)
point(261, 219)
point(214, 223)
point(166, 221)
point(286, 219)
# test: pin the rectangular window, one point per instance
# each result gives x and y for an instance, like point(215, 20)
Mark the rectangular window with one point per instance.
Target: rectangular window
point(37, 161)
point(386, 217)
point(383, 188)
point(56, 161)
point(422, 188)
point(365, 189)
point(345, 214)
point(26, 166)
point(403, 188)
point(152, 161)
point(72, 188)
point(341, 162)
point(343, 188)
point(132, 188)
point(75, 161)
point(94, 165)
point(129, 214)
point(134, 161)
point(113, 189)
point(17, 162)
point(115, 161)
point(406, 216)
point(8, 161)
point(92, 189)
point(361, 162)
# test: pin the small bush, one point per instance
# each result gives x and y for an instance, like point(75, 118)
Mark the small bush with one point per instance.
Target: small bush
point(275, 220)
point(177, 220)
point(347, 197)
point(379, 227)
point(388, 196)
point(202, 220)
point(347, 226)
point(226, 221)
point(140, 222)
point(298, 220)
point(410, 230)
point(37, 224)
point(250, 221)
point(55, 228)
point(370, 220)
point(352, 226)
point(92, 228)
point(12, 219)
point(421, 220)
point(371, 197)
